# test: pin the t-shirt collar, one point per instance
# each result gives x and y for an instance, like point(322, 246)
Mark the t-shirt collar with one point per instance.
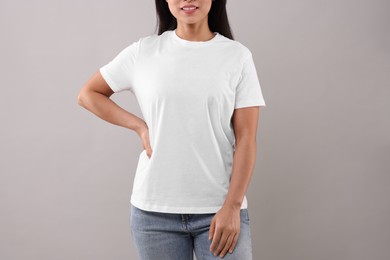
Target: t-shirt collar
point(193, 43)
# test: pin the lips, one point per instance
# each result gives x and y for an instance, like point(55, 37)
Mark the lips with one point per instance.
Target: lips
point(189, 7)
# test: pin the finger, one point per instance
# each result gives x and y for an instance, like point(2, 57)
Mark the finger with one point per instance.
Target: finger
point(212, 228)
point(146, 142)
point(148, 148)
point(149, 152)
point(234, 243)
point(216, 238)
point(222, 243)
point(227, 245)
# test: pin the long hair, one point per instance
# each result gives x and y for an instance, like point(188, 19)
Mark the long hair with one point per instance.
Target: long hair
point(217, 18)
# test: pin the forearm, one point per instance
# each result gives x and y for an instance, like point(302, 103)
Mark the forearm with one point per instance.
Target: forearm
point(242, 170)
point(108, 110)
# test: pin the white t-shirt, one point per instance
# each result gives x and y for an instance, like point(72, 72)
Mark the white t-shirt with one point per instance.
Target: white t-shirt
point(187, 92)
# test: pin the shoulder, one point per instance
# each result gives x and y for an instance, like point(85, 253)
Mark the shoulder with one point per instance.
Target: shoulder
point(245, 51)
point(150, 40)
point(154, 37)
point(240, 51)
point(133, 47)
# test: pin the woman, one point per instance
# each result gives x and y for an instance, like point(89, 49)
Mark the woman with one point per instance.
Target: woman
point(200, 96)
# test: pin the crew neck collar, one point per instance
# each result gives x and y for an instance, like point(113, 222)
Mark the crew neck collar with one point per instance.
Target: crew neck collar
point(194, 43)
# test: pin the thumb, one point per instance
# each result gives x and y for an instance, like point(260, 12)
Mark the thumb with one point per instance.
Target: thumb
point(212, 228)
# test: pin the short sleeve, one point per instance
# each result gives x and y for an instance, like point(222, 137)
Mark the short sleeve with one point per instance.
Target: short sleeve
point(119, 72)
point(248, 90)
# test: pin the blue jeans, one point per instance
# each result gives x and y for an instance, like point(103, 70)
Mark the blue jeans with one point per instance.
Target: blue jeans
point(171, 236)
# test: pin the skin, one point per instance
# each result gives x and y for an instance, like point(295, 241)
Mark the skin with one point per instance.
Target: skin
point(95, 97)
point(225, 225)
point(192, 27)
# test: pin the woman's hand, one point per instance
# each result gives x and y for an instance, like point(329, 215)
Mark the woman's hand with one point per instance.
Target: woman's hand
point(224, 230)
point(143, 133)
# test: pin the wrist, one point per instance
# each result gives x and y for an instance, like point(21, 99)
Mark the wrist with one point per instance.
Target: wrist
point(139, 127)
point(236, 205)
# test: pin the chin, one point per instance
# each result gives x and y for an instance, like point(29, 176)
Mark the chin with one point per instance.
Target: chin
point(189, 21)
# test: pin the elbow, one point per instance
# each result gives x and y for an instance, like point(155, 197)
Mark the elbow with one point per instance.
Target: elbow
point(246, 141)
point(81, 98)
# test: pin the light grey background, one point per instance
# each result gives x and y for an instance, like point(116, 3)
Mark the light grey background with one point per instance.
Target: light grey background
point(320, 189)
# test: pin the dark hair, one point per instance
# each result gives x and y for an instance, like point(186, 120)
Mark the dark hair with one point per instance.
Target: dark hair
point(217, 18)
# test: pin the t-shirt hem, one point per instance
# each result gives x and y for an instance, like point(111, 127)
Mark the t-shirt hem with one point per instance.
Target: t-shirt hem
point(108, 79)
point(172, 209)
point(249, 103)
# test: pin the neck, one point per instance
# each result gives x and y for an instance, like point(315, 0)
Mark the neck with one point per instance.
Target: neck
point(194, 32)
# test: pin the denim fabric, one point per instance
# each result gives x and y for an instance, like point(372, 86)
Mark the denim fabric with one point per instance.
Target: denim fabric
point(171, 236)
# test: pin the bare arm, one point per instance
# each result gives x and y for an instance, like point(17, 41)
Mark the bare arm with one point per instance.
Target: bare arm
point(95, 97)
point(225, 225)
point(245, 122)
